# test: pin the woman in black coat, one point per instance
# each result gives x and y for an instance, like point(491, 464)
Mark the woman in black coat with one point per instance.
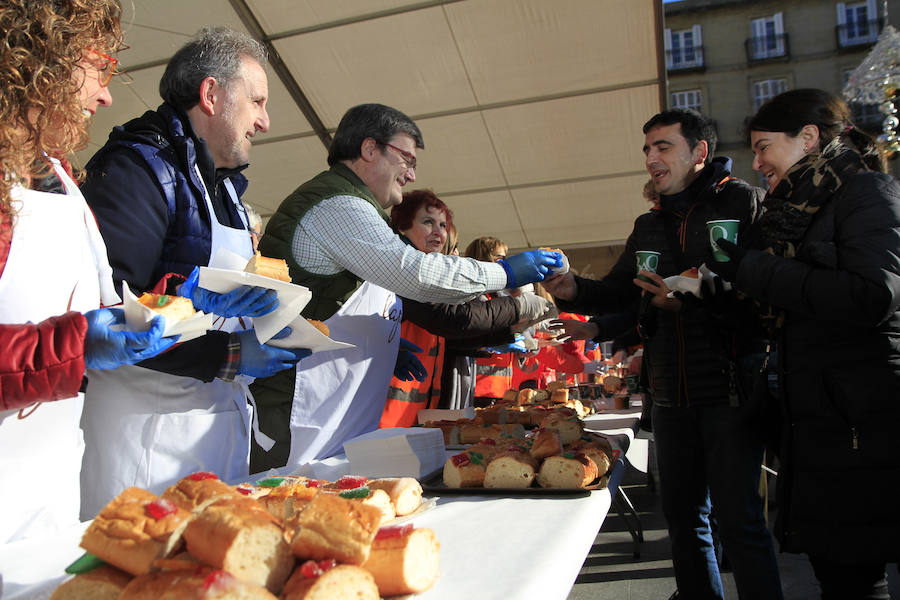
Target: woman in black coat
point(827, 279)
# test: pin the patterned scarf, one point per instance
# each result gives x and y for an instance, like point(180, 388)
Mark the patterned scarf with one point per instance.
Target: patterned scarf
point(807, 186)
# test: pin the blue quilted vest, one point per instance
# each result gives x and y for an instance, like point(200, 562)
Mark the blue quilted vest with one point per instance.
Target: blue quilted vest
point(173, 159)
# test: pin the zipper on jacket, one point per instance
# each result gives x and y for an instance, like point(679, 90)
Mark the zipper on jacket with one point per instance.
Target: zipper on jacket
point(679, 325)
point(855, 438)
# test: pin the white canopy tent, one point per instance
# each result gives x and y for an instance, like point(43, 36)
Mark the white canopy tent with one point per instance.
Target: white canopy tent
point(531, 110)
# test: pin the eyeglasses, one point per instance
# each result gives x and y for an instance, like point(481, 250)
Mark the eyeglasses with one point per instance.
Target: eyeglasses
point(408, 158)
point(108, 67)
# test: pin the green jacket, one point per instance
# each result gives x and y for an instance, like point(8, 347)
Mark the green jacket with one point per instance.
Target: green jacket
point(274, 395)
point(329, 291)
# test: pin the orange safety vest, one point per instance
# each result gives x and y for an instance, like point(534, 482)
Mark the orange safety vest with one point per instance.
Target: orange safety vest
point(493, 376)
point(406, 398)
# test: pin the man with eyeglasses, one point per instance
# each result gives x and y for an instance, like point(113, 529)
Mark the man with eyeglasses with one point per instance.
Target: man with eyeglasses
point(334, 233)
point(166, 193)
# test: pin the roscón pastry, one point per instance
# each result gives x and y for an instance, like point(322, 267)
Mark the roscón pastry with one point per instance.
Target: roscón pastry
point(173, 308)
point(568, 470)
point(199, 583)
point(103, 583)
point(276, 268)
point(404, 560)
point(512, 468)
point(322, 327)
point(332, 526)
point(134, 529)
point(239, 536)
point(325, 580)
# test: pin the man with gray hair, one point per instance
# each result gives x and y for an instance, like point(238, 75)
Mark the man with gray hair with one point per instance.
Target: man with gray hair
point(166, 192)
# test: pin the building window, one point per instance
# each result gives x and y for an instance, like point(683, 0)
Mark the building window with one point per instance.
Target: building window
point(767, 38)
point(857, 23)
point(865, 116)
point(684, 48)
point(686, 99)
point(767, 89)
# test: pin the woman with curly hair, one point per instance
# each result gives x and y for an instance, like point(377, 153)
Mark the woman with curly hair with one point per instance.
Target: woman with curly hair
point(54, 72)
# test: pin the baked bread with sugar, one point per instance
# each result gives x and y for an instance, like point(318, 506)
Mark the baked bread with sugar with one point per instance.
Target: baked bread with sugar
point(471, 434)
point(242, 538)
point(335, 527)
point(404, 560)
point(173, 308)
point(512, 468)
point(569, 428)
point(405, 493)
point(134, 529)
point(276, 268)
point(465, 469)
point(321, 326)
point(198, 490)
point(546, 442)
point(341, 581)
point(556, 385)
point(200, 583)
point(103, 583)
point(570, 470)
point(560, 396)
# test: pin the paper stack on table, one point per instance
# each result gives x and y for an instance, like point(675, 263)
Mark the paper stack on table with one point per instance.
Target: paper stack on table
point(396, 452)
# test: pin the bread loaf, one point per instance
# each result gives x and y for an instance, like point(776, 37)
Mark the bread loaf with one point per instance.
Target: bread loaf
point(568, 471)
point(276, 268)
point(201, 583)
point(196, 491)
point(405, 493)
point(569, 428)
point(404, 561)
point(560, 396)
point(103, 583)
point(173, 308)
point(336, 527)
point(322, 327)
point(546, 443)
point(342, 581)
point(134, 529)
point(465, 469)
point(242, 538)
point(513, 468)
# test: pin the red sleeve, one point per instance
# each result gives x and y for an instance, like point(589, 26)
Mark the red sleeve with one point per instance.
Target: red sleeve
point(42, 362)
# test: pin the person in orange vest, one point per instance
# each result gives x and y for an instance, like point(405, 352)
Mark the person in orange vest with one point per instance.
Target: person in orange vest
point(423, 220)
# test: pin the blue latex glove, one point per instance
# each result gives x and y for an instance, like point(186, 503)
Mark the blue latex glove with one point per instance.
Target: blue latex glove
point(107, 348)
point(245, 301)
point(517, 346)
point(591, 345)
point(529, 267)
point(262, 360)
point(408, 365)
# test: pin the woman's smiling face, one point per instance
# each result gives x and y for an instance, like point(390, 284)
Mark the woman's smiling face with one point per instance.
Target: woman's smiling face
point(774, 153)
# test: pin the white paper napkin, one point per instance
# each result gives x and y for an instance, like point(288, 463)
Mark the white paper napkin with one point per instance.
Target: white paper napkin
point(291, 298)
point(138, 317)
point(397, 452)
point(693, 285)
point(305, 335)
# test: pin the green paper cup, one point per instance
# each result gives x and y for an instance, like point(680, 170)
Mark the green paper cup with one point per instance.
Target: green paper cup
point(722, 228)
point(647, 260)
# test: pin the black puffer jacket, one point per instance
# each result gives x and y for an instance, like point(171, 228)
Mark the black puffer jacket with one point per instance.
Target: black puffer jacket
point(839, 484)
point(688, 354)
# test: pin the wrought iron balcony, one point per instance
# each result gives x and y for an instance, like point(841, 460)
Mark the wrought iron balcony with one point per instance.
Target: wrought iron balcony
point(770, 47)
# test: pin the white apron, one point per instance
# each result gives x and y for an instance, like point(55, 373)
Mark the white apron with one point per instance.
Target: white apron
point(340, 394)
point(56, 263)
point(149, 429)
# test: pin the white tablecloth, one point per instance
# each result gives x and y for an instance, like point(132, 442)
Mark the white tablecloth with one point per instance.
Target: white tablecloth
point(503, 548)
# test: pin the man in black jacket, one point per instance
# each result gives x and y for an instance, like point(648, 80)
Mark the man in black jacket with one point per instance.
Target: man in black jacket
point(708, 435)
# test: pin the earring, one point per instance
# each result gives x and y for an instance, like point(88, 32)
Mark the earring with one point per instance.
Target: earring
point(805, 148)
